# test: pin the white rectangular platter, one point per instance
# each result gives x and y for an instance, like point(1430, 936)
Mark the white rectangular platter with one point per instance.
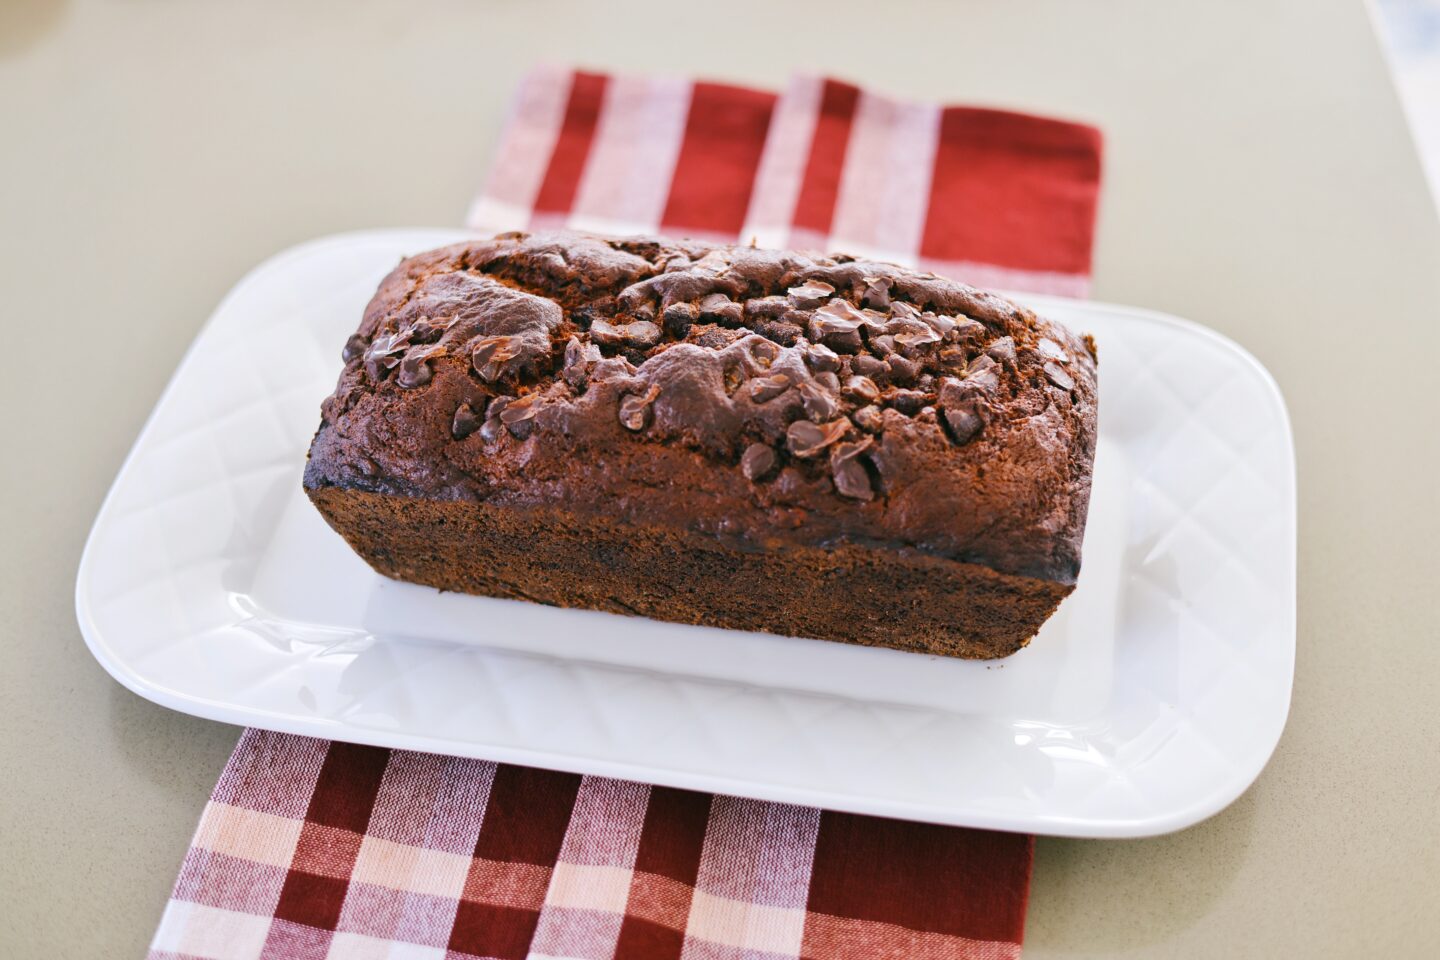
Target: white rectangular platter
point(1150, 701)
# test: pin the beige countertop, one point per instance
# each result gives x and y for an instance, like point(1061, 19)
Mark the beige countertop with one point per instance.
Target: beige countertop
point(1259, 180)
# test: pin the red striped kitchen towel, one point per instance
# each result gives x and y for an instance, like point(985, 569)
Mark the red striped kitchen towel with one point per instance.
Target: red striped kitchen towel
point(312, 849)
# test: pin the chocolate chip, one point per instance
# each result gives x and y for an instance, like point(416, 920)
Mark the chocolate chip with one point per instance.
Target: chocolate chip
point(383, 354)
point(355, 347)
point(872, 367)
point(492, 428)
point(965, 420)
point(635, 409)
point(811, 293)
point(882, 345)
point(424, 331)
point(953, 358)
point(945, 327)
point(492, 355)
point(806, 439)
point(639, 334)
point(1002, 351)
point(1057, 375)
point(876, 293)
point(643, 311)
point(869, 419)
point(519, 416)
point(967, 329)
point(820, 357)
point(820, 404)
point(851, 478)
point(913, 342)
point(837, 325)
point(862, 387)
point(579, 353)
point(770, 308)
point(718, 308)
point(829, 380)
point(465, 422)
point(678, 319)
point(765, 389)
point(414, 372)
point(908, 402)
point(758, 462)
point(903, 370)
point(1051, 350)
point(983, 374)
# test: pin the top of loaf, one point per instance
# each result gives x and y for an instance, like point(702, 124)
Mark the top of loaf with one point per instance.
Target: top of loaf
point(766, 397)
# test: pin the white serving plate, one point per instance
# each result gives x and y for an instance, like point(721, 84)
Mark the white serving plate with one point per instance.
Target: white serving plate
point(1149, 702)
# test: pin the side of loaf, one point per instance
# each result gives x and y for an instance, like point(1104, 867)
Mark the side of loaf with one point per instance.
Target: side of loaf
point(762, 440)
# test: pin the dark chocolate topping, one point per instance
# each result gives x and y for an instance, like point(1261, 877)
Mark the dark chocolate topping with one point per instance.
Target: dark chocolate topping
point(662, 380)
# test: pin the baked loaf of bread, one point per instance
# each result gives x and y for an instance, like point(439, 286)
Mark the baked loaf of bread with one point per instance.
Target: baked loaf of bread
point(763, 440)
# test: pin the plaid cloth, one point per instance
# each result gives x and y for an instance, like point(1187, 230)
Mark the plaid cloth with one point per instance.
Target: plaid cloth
point(311, 849)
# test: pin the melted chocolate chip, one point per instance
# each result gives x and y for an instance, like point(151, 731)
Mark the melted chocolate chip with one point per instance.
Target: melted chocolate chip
point(965, 419)
point(811, 293)
point(1002, 351)
point(851, 478)
point(639, 334)
point(862, 388)
point(908, 402)
point(805, 439)
point(983, 374)
point(1051, 350)
point(635, 409)
point(1056, 374)
point(492, 356)
point(869, 419)
point(492, 428)
point(820, 357)
point(519, 416)
point(414, 372)
point(465, 422)
point(872, 367)
point(765, 389)
point(876, 293)
point(718, 308)
point(820, 404)
point(829, 380)
point(967, 330)
point(383, 354)
point(837, 325)
point(902, 369)
point(355, 346)
point(945, 327)
point(758, 462)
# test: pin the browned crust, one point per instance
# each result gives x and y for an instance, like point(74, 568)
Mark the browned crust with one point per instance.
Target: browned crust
point(848, 593)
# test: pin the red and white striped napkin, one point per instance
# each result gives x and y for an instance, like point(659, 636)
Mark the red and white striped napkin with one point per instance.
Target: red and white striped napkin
point(312, 849)
point(993, 198)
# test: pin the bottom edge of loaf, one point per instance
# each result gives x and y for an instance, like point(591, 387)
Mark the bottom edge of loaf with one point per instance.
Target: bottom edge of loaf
point(846, 593)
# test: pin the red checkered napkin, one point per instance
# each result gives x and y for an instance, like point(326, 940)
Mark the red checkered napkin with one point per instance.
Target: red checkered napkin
point(312, 849)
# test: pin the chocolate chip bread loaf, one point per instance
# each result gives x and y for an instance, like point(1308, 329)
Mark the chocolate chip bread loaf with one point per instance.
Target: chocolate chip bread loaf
point(763, 440)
